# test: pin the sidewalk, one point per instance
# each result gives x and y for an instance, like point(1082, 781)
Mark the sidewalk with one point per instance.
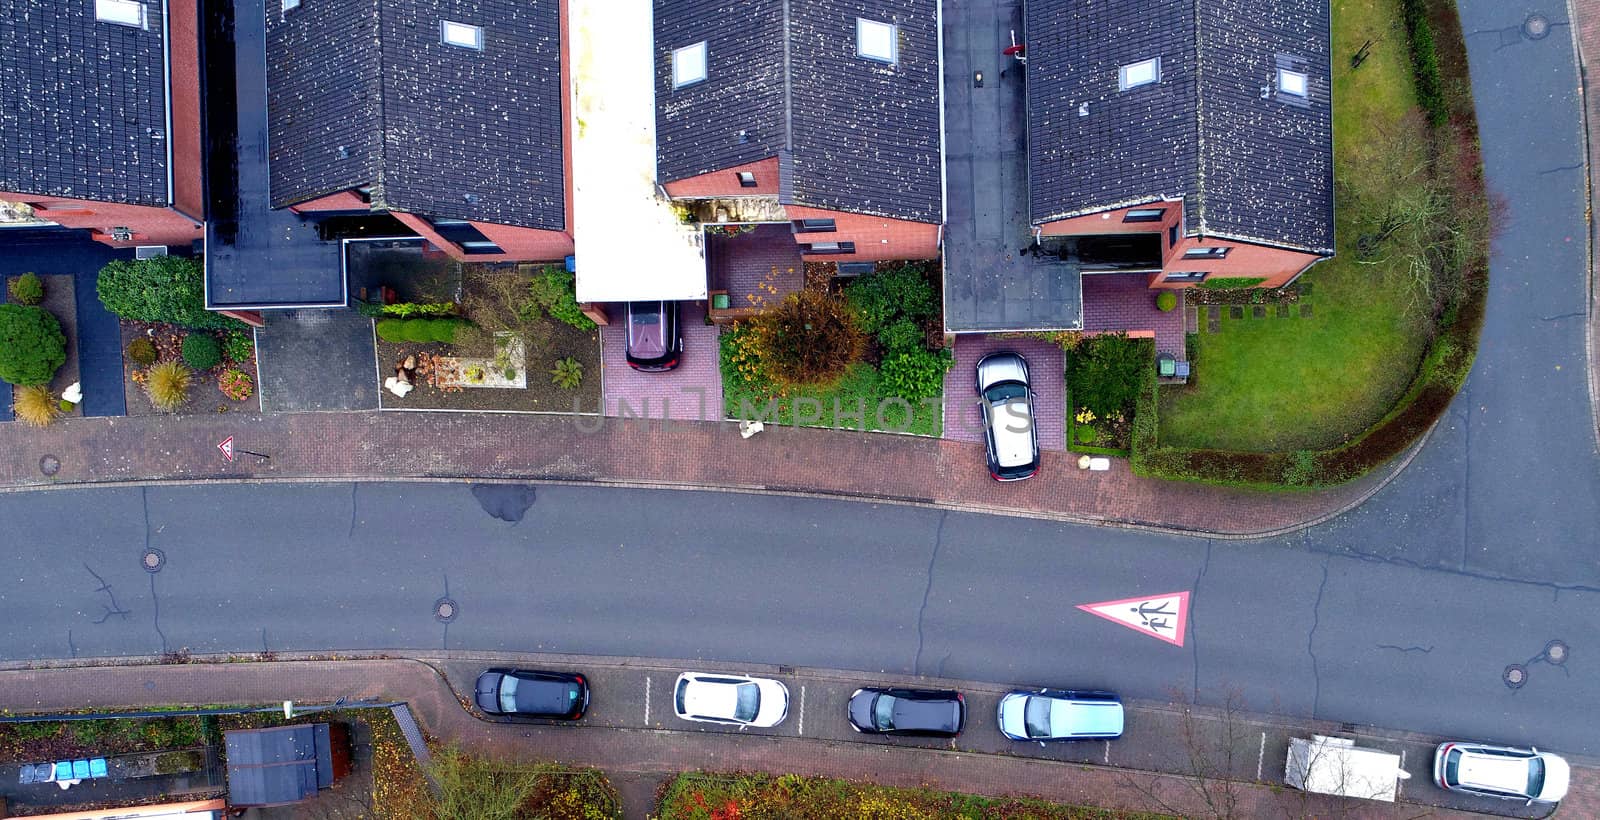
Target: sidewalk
point(587, 449)
point(628, 751)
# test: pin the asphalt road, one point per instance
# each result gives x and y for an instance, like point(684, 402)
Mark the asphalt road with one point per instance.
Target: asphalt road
point(1403, 613)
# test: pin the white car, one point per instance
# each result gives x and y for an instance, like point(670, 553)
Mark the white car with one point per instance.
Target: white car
point(714, 697)
point(1501, 771)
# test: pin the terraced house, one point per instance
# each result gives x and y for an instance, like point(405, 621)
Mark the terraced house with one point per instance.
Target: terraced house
point(101, 114)
point(1190, 140)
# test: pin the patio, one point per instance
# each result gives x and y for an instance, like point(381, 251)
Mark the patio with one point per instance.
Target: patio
point(755, 268)
point(1124, 302)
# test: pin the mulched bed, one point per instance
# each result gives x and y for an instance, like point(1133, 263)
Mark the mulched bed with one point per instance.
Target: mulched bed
point(204, 395)
point(59, 299)
point(555, 340)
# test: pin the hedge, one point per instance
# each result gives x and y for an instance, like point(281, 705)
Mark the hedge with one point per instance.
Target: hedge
point(1232, 282)
point(1425, 61)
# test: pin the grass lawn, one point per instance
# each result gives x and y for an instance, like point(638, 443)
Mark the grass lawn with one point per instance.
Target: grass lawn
point(857, 388)
point(1308, 383)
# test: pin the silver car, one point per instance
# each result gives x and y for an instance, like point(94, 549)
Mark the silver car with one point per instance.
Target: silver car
point(1009, 431)
point(1501, 771)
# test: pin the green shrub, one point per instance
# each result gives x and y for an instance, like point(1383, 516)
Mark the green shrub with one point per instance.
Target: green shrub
point(163, 289)
point(903, 334)
point(35, 406)
point(167, 385)
point(567, 374)
point(1425, 61)
point(1104, 373)
point(238, 346)
point(416, 330)
point(26, 289)
point(392, 330)
point(201, 351)
point(1166, 300)
point(32, 347)
point(1085, 434)
point(236, 384)
point(406, 310)
point(554, 290)
point(883, 298)
point(915, 374)
point(142, 352)
point(1232, 282)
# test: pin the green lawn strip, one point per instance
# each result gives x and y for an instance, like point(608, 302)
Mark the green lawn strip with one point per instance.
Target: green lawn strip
point(1273, 385)
point(703, 795)
point(858, 388)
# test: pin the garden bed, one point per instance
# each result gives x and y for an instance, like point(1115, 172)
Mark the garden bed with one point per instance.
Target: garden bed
point(1104, 376)
point(495, 301)
point(205, 394)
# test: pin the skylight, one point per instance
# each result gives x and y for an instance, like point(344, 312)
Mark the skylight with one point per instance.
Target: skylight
point(122, 12)
point(1292, 82)
point(460, 34)
point(689, 65)
point(1143, 72)
point(876, 41)
point(289, 5)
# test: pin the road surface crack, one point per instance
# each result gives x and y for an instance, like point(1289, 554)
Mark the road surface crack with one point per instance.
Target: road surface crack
point(938, 541)
point(1316, 620)
point(1423, 649)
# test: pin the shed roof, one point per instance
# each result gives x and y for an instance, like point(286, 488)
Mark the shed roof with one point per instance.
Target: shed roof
point(283, 764)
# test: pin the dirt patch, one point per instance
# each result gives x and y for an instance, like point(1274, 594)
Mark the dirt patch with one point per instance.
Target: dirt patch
point(204, 394)
point(554, 341)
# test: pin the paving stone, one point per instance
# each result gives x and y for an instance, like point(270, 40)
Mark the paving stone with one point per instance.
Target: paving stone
point(1236, 311)
point(1285, 311)
point(1305, 310)
point(1258, 312)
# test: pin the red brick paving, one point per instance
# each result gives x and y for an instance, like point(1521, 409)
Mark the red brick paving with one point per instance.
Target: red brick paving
point(963, 421)
point(675, 394)
point(389, 446)
point(1124, 301)
point(642, 750)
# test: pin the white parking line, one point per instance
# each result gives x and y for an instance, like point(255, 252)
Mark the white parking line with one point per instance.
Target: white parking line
point(647, 700)
point(802, 709)
point(1261, 755)
point(1400, 785)
point(1107, 757)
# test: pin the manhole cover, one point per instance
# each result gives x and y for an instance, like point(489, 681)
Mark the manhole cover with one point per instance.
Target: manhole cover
point(1536, 27)
point(1555, 652)
point(1515, 676)
point(49, 465)
point(445, 610)
point(153, 560)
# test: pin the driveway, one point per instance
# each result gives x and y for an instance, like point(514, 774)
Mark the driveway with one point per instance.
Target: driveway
point(317, 360)
point(691, 391)
point(963, 421)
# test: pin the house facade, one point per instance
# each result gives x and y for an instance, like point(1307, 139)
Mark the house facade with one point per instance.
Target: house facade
point(101, 110)
point(812, 130)
point(1190, 142)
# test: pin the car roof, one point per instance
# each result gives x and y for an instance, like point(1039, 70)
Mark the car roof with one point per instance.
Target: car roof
point(1085, 717)
point(1005, 366)
point(1487, 770)
point(711, 699)
point(1011, 424)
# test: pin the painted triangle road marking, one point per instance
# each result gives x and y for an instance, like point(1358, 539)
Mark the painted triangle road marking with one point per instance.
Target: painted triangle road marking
point(227, 449)
point(1159, 616)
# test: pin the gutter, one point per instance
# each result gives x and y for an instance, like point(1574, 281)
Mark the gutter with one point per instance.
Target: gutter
point(166, 80)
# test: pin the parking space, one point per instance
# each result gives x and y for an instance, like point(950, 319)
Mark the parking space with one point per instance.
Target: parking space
point(690, 392)
point(963, 420)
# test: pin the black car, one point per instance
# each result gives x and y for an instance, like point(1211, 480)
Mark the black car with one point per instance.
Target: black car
point(655, 341)
point(908, 712)
point(526, 693)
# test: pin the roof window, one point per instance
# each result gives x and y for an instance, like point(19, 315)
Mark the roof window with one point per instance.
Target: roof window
point(747, 179)
point(461, 34)
point(121, 12)
point(1144, 215)
point(1292, 82)
point(1143, 72)
point(689, 65)
point(876, 41)
point(1216, 252)
point(290, 5)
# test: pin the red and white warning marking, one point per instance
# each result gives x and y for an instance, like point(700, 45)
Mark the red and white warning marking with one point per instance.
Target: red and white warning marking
point(1159, 616)
point(226, 446)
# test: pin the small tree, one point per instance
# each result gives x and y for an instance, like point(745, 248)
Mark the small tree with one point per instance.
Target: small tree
point(32, 347)
point(162, 289)
point(810, 338)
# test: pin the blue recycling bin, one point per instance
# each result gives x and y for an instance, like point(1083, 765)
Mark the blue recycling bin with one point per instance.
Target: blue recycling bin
point(97, 767)
point(80, 769)
point(64, 770)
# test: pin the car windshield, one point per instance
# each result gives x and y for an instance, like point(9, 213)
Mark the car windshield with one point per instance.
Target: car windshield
point(883, 713)
point(1037, 717)
point(508, 693)
point(1006, 390)
point(683, 689)
point(1452, 767)
point(749, 701)
point(1535, 776)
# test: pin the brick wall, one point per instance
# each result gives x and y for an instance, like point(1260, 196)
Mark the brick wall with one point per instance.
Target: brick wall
point(876, 237)
point(726, 182)
point(151, 225)
point(519, 244)
point(1111, 222)
point(341, 201)
point(188, 162)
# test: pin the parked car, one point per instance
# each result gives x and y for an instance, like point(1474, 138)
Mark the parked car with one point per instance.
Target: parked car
point(655, 339)
point(714, 697)
point(527, 693)
point(1501, 771)
point(1009, 431)
point(908, 712)
point(1060, 714)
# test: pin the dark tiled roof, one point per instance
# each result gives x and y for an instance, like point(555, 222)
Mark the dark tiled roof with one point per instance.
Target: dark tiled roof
point(438, 130)
point(852, 134)
point(1248, 167)
point(83, 103)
